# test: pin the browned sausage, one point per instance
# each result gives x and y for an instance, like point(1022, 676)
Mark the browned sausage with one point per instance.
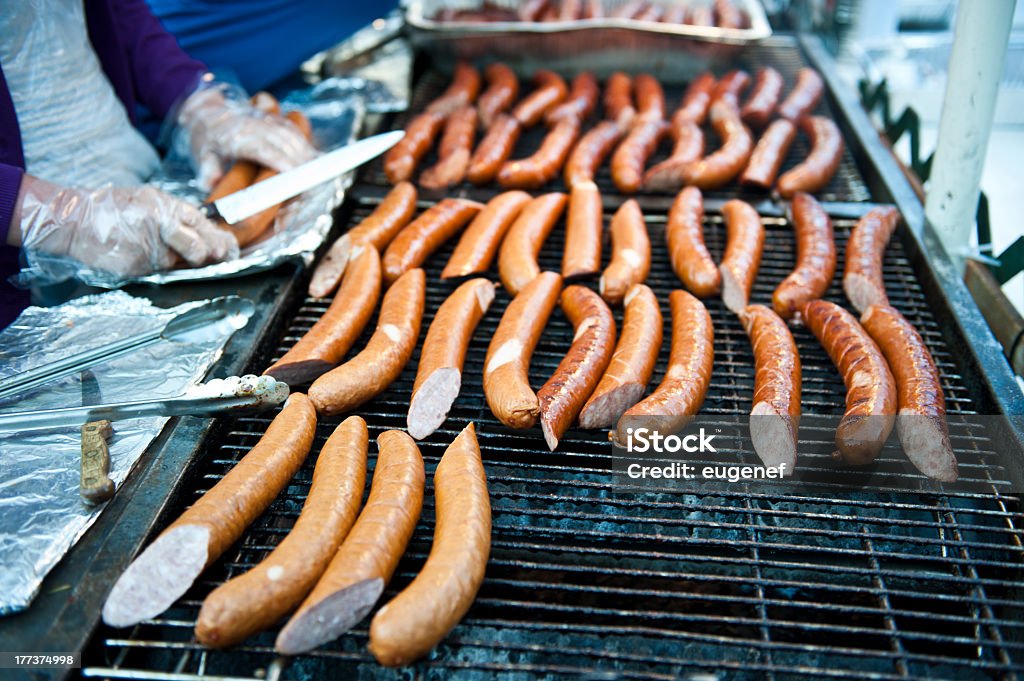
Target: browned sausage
point(544, 165)
point(696, 101)
point(720, 167)
point(688, 149)
point(769, 155)
point(632, 365)
point(921, 423)
point(494, 149)
point(464, 88)
point(815, 257)
point(684, 235)
point(453, 151)
point(618, 100)
point(550, 14)
point(763, 99)
point(549, 91)
point(870, 388)
point(162, 573)
point(533, 10)
point(862, 278)
point(775, 417)
point(728, 15)
point(631, 156)
point(593, 9)
point(363, 566)
point(590, 152)
point(253, 601)
point(582, 253)
point(731, 87)
point(631, 253)
point(479, 243)
point(517, 257)
point(742, 257)
point(682, 390)
point(425, 611)
point(425, 234)
point(401, 160)
point(439, 374)
point(506, 369)
point(377, 230)
point(378, 364)
point(650, 97)
point(324, 345)
point(502, 90)
point(804, 96)
point(570, 10)
point(581, 102)
point(821, 163)
point(563, 395)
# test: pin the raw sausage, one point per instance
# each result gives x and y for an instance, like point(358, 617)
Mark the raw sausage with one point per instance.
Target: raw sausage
point(401, 160)
point(453, 151)
point(581, 102)
point(256, 599)
point(506, 369)
point(763, 99)
point(582, 253)
point(815, 258)
point(537, 170)
point(378, 364)
point(549, 92)
point(162, 573)
point(479, 243)
point(804, 96)
point(618, 100)
point(464, 88)
point(439, 374)
point(684, 235)
point(563, 395)
point(425, 234)
point(743, 246)
point(424, 612)
point(590, 152)
point(862, 279)
point(769, 155)
point(517, 258)
point(688, 148)
point(821, 163)
point(631, 253)
point(632, 365)
point(494, 149)
point(502, 90)
point(363, 566)
point(696, 100)
point(629, 159)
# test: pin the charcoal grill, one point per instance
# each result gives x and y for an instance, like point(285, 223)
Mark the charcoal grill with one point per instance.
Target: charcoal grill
point(588, 581)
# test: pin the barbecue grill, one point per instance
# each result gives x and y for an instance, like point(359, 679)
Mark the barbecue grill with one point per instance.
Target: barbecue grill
point(589, 579)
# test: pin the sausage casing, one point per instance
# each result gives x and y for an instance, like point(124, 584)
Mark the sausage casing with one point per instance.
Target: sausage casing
point(590, 152)
point(494, 149)
point(618, 100)
point(462, 91)
point(650, 97)
point(684, 234)
point(763, 99)
point(453, 151)
point(696, 100)
point(726, 162)
point(815, 257)
point(731, 87)
point(688, 149)
point(631, 253)
point(862, 278)
point(549, 92)
point(401, 160)
point(517, 257)
point(479, 243)
point(631, 156)
point(742, 257)
point(581, 102)
point(502, 90)
point(543, 166)
point(582, 253)
point(804, 96)
point(816, 171)
point(425, 234)
point(769, 155)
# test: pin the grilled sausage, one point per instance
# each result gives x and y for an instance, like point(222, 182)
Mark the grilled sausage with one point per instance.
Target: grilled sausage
point(815, 257)
point(684, 235)
point(763, 99)
point(742, 257)
point(401, 160)
point(582, 253)
point(425, 234)
point(590, 152)
point(870, 389)
point(593, 9)
point(769, 155)
point(479, 243)
point(618, 100)
point(804, 96)
point(728, 15)
point(167, 568)
point(462, 91)
point(363, 566)
point(549, 91)
point(632, 365)
point(921, 422)
point(422, 615)
point(730, 88)
point(533, 10)
point(253, 601)
point(696, 100)
point(631, 253)
point(439, 374)
point(720, 167)
point(543, 166)
point(502, 90)
point(775, 417)
point(563, 395)
point(377, 230)
point(570, 10)
point(378, 364)
point(324, 345)
point(821, 163)
point(453, 151)
point(506, 369)
point(688, 148)
point(517, 257)
point(681, 392)
point(650, 97)
point(494, 149)
point(581, 102)
point(631, 156)
point(862, 278)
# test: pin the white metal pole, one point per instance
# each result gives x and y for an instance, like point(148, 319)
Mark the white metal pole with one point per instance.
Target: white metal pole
point(972, 84)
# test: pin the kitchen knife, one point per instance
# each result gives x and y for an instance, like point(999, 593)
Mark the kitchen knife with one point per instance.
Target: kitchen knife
point(283, 186)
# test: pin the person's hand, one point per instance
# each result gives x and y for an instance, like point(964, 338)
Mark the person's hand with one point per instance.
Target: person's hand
point(222, 130)
point(125, 231)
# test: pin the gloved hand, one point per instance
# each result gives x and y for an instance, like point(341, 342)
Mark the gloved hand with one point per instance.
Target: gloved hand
point(124, 231)
point(222, 130)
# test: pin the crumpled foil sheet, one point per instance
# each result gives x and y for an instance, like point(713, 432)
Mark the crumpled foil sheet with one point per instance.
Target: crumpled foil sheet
point(41, 512)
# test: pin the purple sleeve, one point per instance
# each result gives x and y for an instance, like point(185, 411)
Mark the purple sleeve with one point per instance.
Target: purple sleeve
point(10, 185)
point(161, 71)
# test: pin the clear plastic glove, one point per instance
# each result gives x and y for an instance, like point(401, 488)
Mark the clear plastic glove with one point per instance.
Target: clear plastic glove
point(124, 231)
point(221, 130)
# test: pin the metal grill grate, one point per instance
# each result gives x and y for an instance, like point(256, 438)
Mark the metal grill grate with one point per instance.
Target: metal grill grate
point(584, 580)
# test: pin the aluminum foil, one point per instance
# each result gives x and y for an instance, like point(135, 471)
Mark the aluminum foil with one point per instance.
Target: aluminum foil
point(41, 512)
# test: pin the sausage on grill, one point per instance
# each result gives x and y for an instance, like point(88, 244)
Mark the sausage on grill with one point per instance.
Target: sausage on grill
point(494, 149)
point(743, 246)
point(763, 99)
point(544, 165)
point(618, 100)
point(583, 228)
point(502, 90)
point(517, 258)
point(462, 91)
point(549, 91)
point(815, 257)
point(696, 100)
point(581, 102)
point(804, 96)
point(862, 278)
point(401, 160)
point(425, 234)
point(631, 253)
point(453, 152)
point(590, 152)
point(816, 171)
point(631, 156)
point(684, 234)
point(769, 155)
point(479, 243)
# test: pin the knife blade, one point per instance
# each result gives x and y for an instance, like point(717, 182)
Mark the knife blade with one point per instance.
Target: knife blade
point(236, 207)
